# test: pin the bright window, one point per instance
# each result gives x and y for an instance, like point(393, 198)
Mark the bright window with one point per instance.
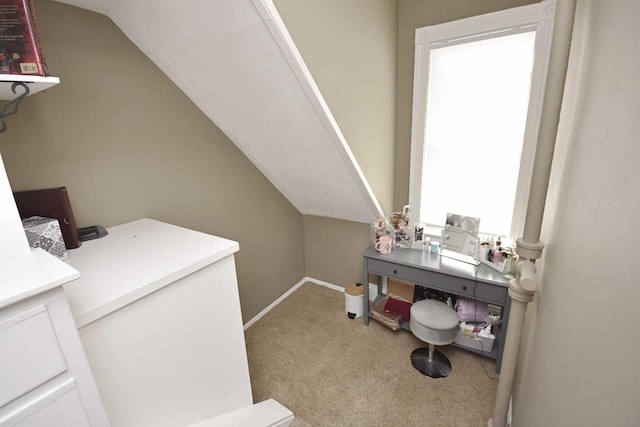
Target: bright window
point(478, 90)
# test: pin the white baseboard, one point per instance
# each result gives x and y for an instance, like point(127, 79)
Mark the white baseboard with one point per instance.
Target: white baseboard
point(286, 294)
point(373, 292)
point(325, 284)
point(373, 287)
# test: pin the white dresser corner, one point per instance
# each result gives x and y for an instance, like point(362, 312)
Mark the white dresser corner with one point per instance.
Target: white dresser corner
point(44, 374)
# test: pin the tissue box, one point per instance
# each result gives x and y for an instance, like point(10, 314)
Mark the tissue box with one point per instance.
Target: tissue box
point(45, 233)
point(467, 338)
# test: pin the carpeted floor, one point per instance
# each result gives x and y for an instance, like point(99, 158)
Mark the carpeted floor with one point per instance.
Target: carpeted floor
point(333, 371)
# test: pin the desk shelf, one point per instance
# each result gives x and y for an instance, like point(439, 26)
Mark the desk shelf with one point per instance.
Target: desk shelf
point(493, 354)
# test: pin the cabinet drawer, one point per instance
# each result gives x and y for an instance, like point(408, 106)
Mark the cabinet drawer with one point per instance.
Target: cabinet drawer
point(55, 406)
point(30, 354)
point(491, 293)
point(431, 279)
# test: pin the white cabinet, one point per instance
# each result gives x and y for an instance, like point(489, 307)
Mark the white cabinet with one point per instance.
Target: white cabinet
point(44, 376)
point(158, 313)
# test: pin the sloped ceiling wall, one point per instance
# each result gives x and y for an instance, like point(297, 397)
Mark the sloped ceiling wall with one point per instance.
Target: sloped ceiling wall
point(235, 60)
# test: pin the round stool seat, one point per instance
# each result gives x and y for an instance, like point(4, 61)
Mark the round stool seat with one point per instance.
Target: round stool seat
point(434, 322)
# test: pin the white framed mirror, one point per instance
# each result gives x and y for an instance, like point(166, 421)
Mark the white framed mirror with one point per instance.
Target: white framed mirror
point(460, 238)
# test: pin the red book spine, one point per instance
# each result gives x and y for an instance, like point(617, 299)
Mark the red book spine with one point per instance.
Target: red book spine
point(20, 48)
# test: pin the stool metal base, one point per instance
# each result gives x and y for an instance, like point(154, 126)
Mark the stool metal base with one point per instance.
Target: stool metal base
point(431, 362)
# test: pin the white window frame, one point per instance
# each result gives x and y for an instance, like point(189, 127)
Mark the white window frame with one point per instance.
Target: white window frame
point(539, 17)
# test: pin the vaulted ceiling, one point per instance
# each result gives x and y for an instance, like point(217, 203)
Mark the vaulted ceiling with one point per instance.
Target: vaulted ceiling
point(236, 61)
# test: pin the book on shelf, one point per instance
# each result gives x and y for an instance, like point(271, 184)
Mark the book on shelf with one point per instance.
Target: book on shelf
point(20, 48)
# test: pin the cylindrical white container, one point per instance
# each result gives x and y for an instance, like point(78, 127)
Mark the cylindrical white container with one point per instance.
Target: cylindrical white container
point(354, 300)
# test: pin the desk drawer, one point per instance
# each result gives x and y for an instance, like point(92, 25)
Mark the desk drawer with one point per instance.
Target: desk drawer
point(443, 282)
point(491, 293)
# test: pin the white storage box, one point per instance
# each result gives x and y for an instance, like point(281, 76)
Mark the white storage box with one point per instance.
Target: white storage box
point(468, 338)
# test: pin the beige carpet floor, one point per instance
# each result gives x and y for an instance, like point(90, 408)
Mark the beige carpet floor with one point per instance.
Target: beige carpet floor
point(334, 371)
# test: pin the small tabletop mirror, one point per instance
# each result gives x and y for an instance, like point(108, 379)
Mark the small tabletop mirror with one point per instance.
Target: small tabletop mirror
point(460, 238)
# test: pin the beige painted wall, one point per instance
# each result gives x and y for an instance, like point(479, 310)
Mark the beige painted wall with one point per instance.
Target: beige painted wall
point(578, 365)
point(333, 249)
point(128, 143)
point(349, 47)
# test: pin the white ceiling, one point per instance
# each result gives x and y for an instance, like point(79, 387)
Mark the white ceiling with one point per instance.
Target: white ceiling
point(238, 64)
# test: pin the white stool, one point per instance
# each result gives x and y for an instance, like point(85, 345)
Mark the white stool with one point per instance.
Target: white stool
point(435, 323)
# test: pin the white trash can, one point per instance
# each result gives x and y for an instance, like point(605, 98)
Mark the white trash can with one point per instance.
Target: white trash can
point(354, 300)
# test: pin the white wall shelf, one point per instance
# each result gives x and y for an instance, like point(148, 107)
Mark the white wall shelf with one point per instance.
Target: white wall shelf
point(14, 88)
point(35, 83)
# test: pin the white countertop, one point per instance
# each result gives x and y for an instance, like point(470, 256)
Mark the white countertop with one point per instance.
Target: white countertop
point(35, 273)
point(132, 261)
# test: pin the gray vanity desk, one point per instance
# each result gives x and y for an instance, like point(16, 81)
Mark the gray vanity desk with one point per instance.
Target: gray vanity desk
point(445, 274)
